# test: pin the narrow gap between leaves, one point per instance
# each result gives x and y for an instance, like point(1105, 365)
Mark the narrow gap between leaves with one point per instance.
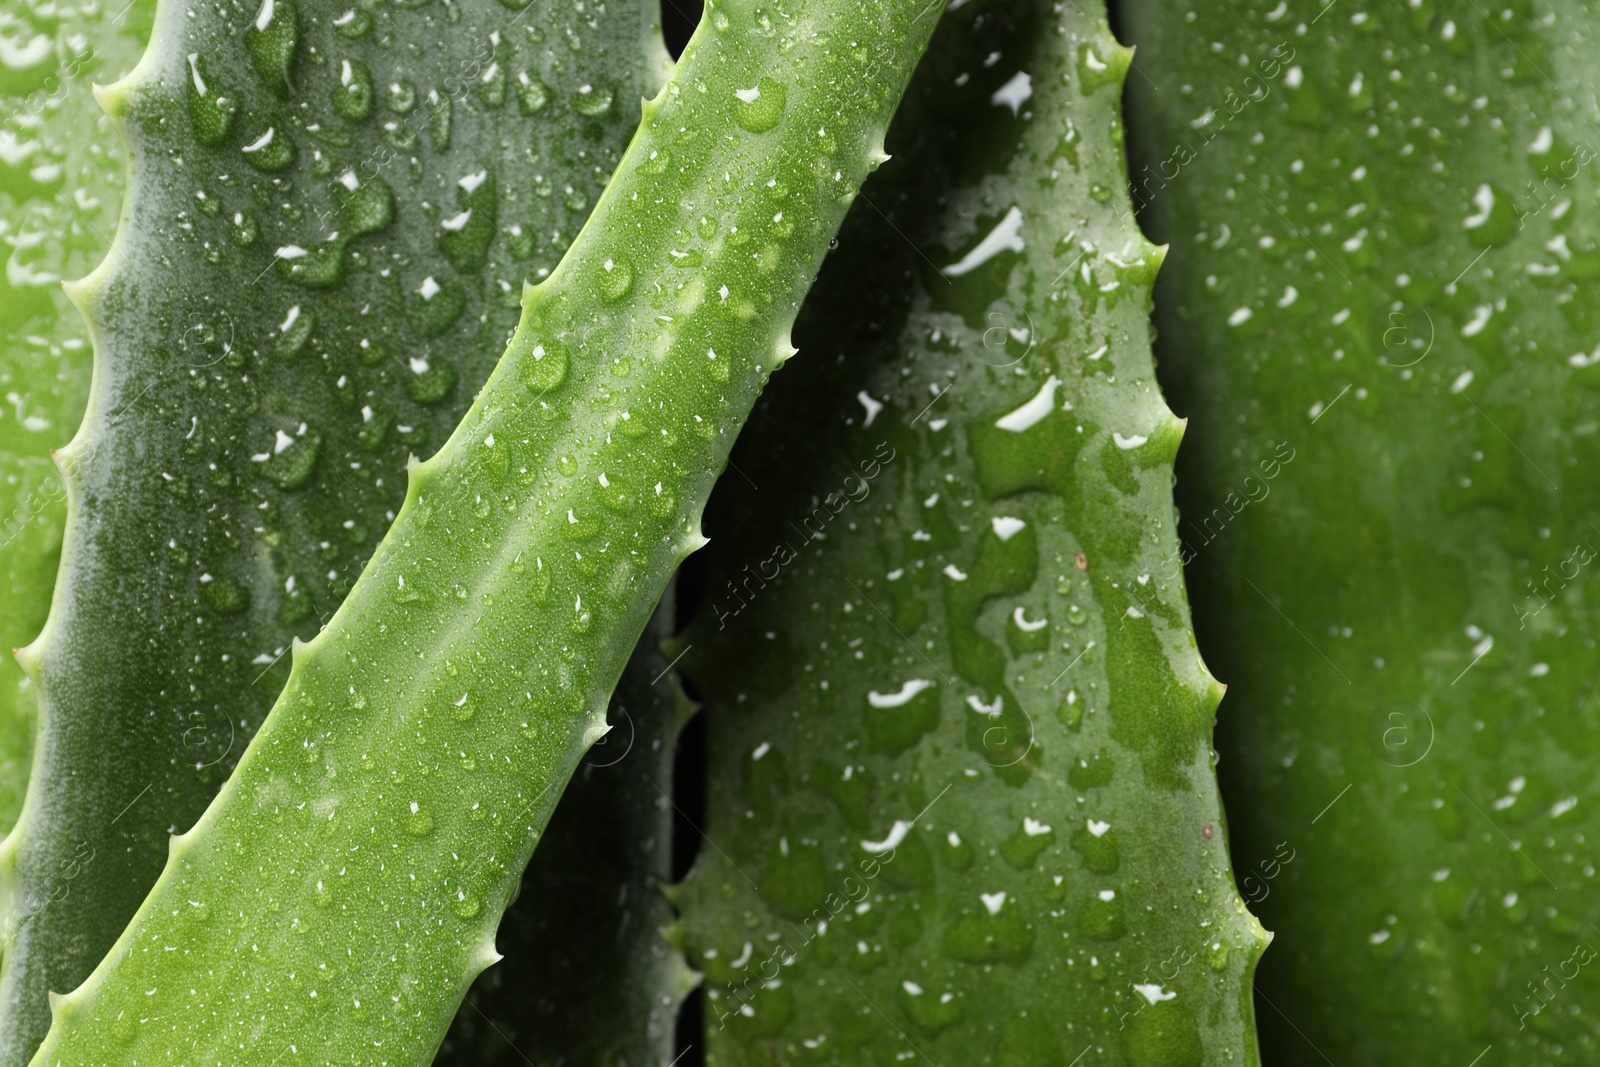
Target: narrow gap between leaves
point(678, 20)
point(1182, 479)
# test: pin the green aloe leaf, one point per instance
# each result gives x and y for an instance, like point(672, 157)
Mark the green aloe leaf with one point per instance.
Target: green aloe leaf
point(962, 807)
point(60, 188)
point(1380, 315)
point(321, 257)
point(342, 891)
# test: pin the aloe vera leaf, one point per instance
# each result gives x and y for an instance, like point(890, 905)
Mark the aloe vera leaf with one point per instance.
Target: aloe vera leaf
point(1383, 266)
point(285, 320)
point(33, 501)
point(590, 975)
point(342, 891)
point(961, 805)
point(60, 187)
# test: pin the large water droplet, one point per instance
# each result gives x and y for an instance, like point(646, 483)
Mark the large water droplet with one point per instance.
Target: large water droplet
point(400, 97)
point(759, 109)
point(993, 932)
point(292, 459)
point(1021, 849)
point(1099, 65)
point(418, 821)
point(542, 364)
point(531, 94)
point(615, 278)
point(492, 86)
point(294, 332)
point(440, 112)
point(592, 101)
point(430, 381)
point(353, 24)
point(315, 268)
point(364, 207)
point(210, 111)
point(465, 905)
point(1103, 917)
point(271, 41)
point(717, 366)
point(1217, 956)
point(464, 237)
point(436, 305)
point(405, 592)
point(244, 230)
point(353, 96)
point(270, 151)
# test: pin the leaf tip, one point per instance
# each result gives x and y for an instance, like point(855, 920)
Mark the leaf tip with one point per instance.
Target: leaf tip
point(28, 657)
point(77, 292)
point(486, 956)
point(692, 543)
point(68, 457)
point(111, 98)
point(684, 707)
